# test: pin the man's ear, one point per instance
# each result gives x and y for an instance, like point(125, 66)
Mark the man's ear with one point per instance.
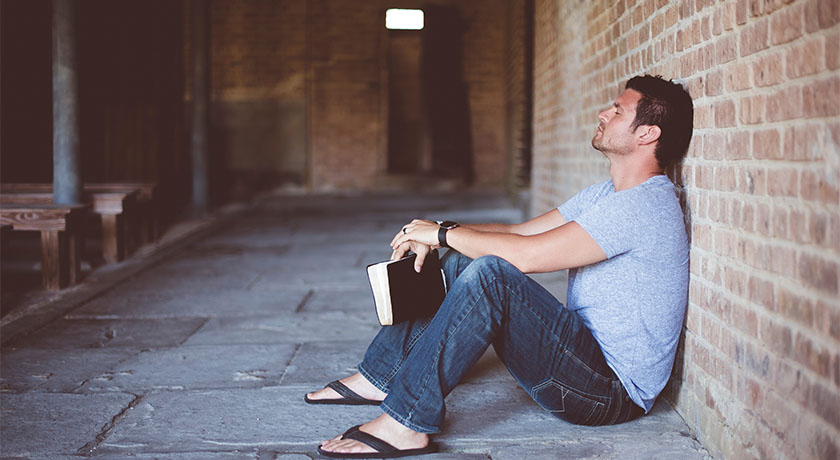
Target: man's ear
point(648, 134)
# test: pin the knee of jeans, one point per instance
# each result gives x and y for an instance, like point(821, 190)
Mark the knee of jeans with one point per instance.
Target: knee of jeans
point(488, 267)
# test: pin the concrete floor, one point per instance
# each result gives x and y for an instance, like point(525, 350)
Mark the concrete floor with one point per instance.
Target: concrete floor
point(202, 348)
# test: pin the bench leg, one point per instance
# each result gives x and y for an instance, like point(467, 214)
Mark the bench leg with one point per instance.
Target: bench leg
point(113, 238)
point(55, 259)
point(75, 253)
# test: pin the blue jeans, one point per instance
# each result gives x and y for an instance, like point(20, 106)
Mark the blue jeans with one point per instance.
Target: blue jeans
point(546, 348)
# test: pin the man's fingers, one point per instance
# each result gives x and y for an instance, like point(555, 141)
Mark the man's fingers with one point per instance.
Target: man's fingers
point(421, 250)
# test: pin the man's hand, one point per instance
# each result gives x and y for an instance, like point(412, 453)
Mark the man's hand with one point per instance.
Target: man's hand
point(420, 237)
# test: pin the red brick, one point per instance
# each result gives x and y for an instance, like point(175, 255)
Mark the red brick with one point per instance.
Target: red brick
point(747, 220)
point(805, 59)
point(804, 142)
point(816, 358)
point(728, 16)
point(762, 220)
point(781, 216)
point(776, 337)
point(711, 330)
point(756, 8)
point(741, 12)
point(719, 305)
point(818, 228)
point(824, 13)
point(738, 76)
point(725, 179)
point(778, 412)
point(717, 21)
point(751, 110)
point(726, 49)
point(753, 38)
point(768, 70)
point(782, 182)
point(784, 104)
point(745, 320)
point(725, 114)
point(791, 382)
point(704, 117)
point(815, 186)
point(738, 145)
point(767, 145)
point(818, 272)
point(821, 98)
point(757, 181)
point(761, 292)
point(832, 53)
point(816, 441)
point(782, 260)
point(824, 402)
point(786, 25)
point(799, 230)
point(748, 392)
point(794, 306)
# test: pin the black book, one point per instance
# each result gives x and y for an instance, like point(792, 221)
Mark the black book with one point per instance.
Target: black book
point(402, 294)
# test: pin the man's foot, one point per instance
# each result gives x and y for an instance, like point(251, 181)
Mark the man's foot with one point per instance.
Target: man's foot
point(357, 383)
point(385, 428)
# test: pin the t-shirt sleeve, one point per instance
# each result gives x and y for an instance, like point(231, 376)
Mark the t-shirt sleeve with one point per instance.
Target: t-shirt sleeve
point(613, 222)
point(582, 200)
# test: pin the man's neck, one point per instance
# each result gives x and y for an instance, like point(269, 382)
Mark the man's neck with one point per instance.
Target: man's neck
point(628, 172)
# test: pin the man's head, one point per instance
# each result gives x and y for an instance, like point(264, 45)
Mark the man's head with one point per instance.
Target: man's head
point(662, 116)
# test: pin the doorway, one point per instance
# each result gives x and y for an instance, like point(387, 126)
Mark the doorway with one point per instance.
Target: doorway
point(407, 137)
point(428, 117)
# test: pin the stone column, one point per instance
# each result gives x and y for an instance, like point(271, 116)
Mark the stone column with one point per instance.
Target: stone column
point(67, 177)
point(200, 57)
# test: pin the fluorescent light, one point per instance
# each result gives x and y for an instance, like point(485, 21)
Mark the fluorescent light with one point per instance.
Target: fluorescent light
point(404, 19)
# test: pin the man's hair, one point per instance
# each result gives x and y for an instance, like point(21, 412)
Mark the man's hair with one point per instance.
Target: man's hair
point(668, 105)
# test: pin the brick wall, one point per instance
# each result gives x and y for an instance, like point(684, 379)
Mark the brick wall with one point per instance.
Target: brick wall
point(758, 370)
point(518, 94)
point(299, 95)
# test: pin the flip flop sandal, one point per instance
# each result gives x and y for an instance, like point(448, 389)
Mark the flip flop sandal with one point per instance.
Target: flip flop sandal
point(383, 449)
point(348, 397)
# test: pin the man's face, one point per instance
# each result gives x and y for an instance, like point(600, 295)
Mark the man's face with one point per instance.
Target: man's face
point(615, 133)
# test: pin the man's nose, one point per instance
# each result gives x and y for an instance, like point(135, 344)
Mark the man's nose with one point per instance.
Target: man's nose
point(603, 116)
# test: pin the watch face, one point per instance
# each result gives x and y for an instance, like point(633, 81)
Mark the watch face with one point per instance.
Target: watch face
point(448, 224)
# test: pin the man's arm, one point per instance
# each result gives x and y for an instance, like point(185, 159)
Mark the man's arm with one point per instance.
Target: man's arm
point(558, 248)
point(543, 223)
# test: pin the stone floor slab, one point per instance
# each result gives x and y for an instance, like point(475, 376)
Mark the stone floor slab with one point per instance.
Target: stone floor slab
point(44, 370)
point(132, 302)
point(273, 418)
point(90, 333)
point(318, 363)
point(36, 425)
point(199, 367)
point(287, 328)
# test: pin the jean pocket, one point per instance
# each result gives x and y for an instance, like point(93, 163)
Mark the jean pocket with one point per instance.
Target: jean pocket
point(567, 403)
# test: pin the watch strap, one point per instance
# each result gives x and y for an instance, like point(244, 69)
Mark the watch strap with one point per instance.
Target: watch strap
point(442, 237)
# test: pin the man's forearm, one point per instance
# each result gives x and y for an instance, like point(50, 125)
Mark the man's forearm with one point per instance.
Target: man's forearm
point(494, 228)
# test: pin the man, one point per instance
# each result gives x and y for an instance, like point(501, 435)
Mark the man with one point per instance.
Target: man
point(603, 358)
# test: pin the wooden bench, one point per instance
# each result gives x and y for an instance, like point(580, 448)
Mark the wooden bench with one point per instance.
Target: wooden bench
point(112, 207)
point(146, 220)
point(62, 232)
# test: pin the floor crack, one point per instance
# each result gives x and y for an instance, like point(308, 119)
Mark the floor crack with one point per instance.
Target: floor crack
point(88, 448)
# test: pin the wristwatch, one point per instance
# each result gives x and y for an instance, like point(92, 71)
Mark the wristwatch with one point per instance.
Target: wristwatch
point(445, 226)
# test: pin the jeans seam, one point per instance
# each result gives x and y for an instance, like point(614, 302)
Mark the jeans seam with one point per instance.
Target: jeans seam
point(451, 330)
point(370, 378)
point(405, 421)
point(394, 370)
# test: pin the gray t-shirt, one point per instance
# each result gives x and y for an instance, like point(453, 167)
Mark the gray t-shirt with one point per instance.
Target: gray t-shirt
point(634, 301)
